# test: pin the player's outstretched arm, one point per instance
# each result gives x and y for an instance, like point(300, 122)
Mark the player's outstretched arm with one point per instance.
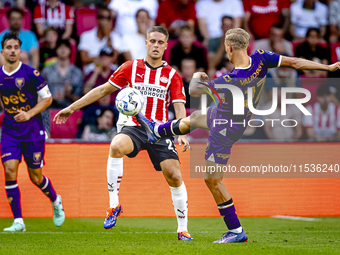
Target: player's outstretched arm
point(195, 87)
point(91, 97)
point(303, 64)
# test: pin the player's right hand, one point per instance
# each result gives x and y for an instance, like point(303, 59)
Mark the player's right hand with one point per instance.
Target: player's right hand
point(61, 116)
point(334, 67)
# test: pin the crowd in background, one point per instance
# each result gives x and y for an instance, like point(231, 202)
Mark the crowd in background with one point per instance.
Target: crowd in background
point(76, 57)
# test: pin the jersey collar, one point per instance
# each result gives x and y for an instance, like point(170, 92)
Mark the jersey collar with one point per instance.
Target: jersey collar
point(13, 72)
point(164, 63)
point(246, 66)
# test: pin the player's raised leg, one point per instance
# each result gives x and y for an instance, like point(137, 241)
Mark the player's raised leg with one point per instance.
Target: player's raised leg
point(120, 146)
point(174, 127)
point(225, 204)
point(13, 194)
point(172, 174)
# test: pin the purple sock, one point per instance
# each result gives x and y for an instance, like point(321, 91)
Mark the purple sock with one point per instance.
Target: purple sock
point(47, 188)
point(168, 129)
point(227, 210)
point(13, 195)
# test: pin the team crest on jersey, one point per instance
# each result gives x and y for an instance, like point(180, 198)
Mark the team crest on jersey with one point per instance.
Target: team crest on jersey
point(19, 82)
point(37, 156)
point(164, 79)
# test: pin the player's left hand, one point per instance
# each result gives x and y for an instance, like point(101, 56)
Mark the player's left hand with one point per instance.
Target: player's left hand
point(22, 116)
point(182, 139)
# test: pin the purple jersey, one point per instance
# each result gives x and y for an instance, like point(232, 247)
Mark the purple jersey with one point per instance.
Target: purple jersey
point(248, 77)
point(252, 76)
point(19, 92)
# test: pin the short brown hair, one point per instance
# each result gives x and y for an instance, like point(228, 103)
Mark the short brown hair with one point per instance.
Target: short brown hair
point(186, 28)
point(238, 38)
point(159, 29)
point(49, 29)
point(14, 9)
point(142, 10)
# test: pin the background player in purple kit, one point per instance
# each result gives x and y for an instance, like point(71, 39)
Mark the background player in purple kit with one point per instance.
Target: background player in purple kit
point(249, 71)
point(23, 132)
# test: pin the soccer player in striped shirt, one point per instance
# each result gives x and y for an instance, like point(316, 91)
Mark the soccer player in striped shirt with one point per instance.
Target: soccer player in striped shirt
point(249, 72)
point(23, 132)
point(159, 83)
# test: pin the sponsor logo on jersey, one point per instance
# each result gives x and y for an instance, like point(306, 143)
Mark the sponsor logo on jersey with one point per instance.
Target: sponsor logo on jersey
point(151, 90)
point(227, 78)
point(36, 72)
point(140, 75)
point(223, 156)
point(5, 155)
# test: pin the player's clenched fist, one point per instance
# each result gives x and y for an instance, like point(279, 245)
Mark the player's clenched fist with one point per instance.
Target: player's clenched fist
point(61, 116)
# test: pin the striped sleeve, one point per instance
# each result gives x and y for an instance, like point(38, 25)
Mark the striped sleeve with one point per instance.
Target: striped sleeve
point(177, 89)
point(121, 76)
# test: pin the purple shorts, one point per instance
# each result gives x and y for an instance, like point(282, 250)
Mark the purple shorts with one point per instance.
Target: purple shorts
point(219, 141)
point(33, 151)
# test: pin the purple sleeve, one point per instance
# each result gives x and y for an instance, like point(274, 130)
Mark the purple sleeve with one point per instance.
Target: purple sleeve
point(272, 59)
point(37, 80)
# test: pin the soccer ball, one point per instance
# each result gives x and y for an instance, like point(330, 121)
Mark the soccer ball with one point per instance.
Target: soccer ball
point(129, 101)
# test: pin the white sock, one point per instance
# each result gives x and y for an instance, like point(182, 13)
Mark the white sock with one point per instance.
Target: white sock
point(237, 230)
point(19, 220)
point(180, 202)
point(56, 202)
point(114, 176)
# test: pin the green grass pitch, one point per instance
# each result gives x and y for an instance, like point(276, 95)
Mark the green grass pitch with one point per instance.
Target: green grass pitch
point(158, 236)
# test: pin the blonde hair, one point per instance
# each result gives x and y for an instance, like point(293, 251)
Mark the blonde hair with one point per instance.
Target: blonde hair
point(238, 38)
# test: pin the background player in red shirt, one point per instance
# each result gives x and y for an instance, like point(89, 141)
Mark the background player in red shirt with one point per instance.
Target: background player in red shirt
point(158, 83)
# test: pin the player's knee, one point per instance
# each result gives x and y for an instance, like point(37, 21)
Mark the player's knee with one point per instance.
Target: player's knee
point(174, 178)
point(212, 182)
point(35, 179)
point(194, 117)
point(10, 173)
point(116, 150)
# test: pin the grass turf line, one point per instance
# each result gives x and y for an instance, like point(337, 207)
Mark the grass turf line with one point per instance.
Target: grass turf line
point(158, 236)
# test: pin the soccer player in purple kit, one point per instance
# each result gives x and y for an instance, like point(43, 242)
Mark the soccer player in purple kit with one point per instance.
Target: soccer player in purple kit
point(249, 71)
point(23, 132)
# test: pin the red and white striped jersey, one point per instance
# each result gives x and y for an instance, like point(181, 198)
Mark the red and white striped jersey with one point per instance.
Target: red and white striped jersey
point(57, 17)
point(157, 85)
point(324, 124)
